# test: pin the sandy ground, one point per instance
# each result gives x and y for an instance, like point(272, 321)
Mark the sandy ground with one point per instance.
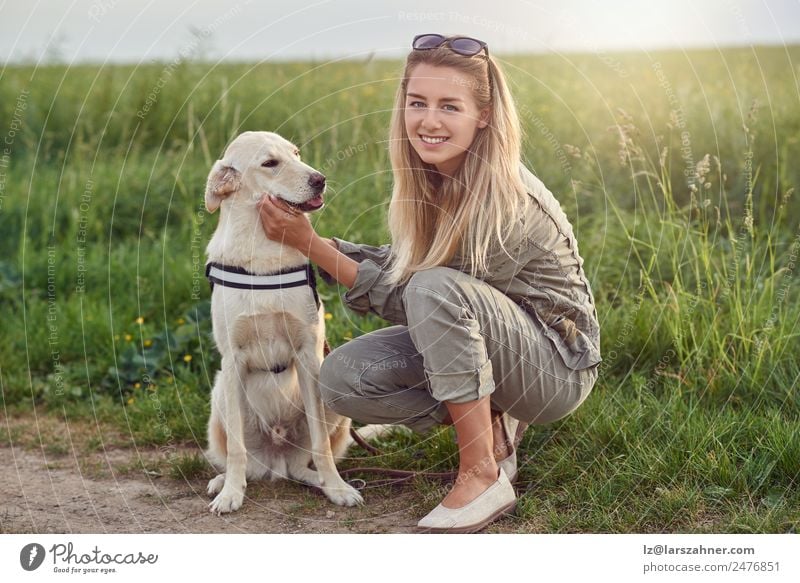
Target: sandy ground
point(71, 488)
point(52, 495)
point(61, 478)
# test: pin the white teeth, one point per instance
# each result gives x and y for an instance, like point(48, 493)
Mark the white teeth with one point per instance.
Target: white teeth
point(428, 140)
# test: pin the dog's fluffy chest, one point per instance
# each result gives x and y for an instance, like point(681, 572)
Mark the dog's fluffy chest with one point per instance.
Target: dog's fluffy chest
point(268, 325)
point(266, 330)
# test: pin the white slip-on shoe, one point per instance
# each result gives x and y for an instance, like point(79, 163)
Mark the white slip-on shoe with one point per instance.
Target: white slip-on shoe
point(497, 500)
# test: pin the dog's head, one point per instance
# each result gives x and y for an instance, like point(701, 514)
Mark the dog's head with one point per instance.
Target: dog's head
point(256, 163)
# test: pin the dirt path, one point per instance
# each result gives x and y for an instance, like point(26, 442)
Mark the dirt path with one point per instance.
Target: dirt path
point(63, 484)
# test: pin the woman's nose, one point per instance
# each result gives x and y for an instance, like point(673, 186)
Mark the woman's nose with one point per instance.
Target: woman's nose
point(431, 119)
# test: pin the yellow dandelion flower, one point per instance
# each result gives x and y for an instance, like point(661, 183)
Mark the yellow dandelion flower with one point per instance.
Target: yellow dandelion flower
point(137, 386)
point(128, 337)
point(328, 316)
point(187, 358)
point(181, 321)
point(130, 401)
point(140, 320)
point(148, 343)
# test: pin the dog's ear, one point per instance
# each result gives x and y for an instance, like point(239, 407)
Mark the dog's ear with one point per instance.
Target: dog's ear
point(222, 181)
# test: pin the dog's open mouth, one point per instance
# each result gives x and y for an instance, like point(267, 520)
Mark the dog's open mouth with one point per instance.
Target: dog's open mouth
point(311, 205)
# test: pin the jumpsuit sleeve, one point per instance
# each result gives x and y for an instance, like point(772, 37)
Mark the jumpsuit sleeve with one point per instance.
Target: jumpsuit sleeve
point(370, 291)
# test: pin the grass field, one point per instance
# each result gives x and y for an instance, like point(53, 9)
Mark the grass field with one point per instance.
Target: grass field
point(676, 169)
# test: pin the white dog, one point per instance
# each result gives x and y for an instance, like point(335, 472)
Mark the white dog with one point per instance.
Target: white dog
point(267, 416)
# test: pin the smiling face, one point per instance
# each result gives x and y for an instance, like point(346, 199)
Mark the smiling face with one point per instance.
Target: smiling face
point(441, 115)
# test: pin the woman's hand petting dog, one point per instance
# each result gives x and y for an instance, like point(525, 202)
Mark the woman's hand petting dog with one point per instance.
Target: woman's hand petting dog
point(285, 224)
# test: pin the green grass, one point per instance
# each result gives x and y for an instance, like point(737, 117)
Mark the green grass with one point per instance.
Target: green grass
point(693, 424)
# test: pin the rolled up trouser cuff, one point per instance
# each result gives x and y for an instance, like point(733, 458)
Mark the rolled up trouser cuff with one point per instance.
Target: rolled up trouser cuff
point(462, 387)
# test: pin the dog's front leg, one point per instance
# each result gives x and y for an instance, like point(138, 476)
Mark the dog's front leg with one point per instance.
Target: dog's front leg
point(232, 494)
point(335, 488)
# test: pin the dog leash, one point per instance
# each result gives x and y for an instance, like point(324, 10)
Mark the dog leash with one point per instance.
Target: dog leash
point(395, 476)
point(399, 476)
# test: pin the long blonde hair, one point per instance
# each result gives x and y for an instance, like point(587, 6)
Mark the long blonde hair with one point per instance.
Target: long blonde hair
point(433, 217)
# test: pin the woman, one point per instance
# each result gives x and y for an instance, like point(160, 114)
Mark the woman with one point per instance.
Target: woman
point(494, 318)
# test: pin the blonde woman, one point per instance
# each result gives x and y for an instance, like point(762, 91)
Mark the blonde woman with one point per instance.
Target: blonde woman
point(495, 323)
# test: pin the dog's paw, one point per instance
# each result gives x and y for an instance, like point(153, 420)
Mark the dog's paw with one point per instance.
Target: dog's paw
point(229, 500)
point(343, 494)
point(215, 485)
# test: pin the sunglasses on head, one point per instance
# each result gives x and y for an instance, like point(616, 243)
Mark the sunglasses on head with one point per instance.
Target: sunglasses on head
point(462, 45)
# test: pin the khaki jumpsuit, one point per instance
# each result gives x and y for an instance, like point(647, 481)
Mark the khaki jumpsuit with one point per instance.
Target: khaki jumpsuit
point(525, 333)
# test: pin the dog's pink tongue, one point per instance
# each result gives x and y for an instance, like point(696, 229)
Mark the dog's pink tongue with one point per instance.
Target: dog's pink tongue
point(315, 202)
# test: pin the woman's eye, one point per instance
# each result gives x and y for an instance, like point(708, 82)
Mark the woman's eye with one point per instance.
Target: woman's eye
point(416, 104)
point(451, 107)
point(270, 163)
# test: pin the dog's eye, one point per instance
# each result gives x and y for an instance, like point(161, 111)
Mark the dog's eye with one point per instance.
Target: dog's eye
point(297, 153)
point(271, 163)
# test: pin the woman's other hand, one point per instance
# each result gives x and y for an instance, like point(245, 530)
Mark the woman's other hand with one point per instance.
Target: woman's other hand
point(285, 224)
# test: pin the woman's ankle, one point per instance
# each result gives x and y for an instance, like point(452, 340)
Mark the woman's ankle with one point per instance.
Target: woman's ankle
point(484, 471)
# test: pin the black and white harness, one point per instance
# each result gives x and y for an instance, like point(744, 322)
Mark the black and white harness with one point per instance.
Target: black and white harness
point(236, 277)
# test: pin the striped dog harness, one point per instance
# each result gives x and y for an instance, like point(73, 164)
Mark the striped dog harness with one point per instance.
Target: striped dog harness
point(236, 277)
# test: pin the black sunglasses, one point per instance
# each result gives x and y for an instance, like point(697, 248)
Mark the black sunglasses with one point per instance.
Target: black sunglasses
point(463, 45)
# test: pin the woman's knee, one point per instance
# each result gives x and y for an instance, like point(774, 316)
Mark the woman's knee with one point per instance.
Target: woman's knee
point(337, 378)
point(348, 375)
point(441, 280)
point(432, 290)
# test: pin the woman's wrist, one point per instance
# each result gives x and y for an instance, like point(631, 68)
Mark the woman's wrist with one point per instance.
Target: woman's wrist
point(325, 254)
point(317, 240)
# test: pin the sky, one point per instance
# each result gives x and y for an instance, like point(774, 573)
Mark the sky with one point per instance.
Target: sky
point(99, 31)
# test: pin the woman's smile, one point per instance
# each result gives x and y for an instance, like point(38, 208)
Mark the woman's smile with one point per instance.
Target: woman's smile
point(433, 141)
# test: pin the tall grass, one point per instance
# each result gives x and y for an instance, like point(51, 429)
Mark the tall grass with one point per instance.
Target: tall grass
point(674, 169)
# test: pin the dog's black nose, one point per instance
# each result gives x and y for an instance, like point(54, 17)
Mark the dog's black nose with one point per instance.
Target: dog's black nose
point(316, 181)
